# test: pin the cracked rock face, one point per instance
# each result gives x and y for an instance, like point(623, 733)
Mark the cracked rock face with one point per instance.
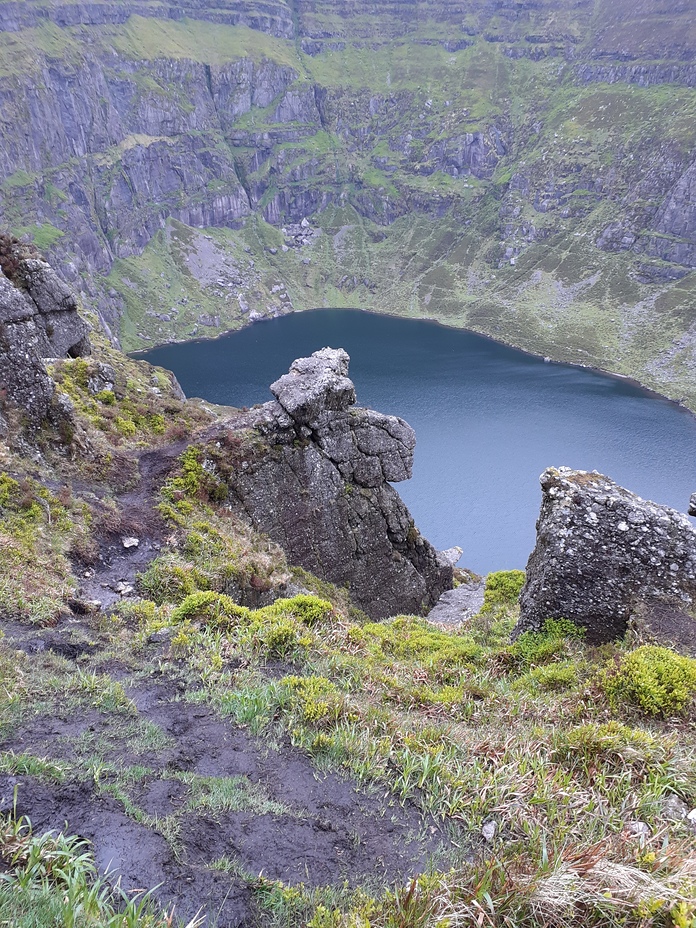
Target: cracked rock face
point(318, 485)
point(38, 319)
point(604, 556)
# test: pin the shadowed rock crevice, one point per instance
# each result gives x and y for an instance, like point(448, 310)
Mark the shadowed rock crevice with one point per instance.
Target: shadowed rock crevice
point(317, 482)
point(604, 557)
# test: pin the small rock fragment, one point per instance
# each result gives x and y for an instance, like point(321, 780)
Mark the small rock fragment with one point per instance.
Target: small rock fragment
point(450, 556)
point(489, 830)
point(674, 809)
point(130, 542)
point(691, 819)
point(638, 830)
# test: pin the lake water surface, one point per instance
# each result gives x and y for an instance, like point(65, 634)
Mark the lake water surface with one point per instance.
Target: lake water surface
point(488, 419)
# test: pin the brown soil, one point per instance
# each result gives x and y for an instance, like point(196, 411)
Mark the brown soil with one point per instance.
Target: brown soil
point(117, 566)
point(331, 832)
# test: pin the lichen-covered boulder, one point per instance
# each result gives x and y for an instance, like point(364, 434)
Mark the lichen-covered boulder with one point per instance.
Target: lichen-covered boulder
point(604, 556)
point(315, 385)
point(314, 474)
point(32, 292)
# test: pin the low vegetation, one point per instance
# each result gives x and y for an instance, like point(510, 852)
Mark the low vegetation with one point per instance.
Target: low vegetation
point(559, 774)
point(125, 404)
point(38, 529)
point(51, 879)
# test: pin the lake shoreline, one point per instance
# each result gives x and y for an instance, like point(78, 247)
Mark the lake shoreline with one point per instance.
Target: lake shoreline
point(142, 353)
point(489, 418)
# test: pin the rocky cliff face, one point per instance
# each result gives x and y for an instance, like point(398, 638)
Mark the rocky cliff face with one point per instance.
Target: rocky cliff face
point(604, 556)
point(524, 170)
point(38, 320)
point(314, 475)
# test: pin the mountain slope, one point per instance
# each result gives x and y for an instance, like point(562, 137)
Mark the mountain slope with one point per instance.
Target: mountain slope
point(525, 169)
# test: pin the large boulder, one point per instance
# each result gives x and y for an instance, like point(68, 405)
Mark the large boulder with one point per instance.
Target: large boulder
point(47, 301)
point(314, 385)
point(314, 473)
point(604, 556)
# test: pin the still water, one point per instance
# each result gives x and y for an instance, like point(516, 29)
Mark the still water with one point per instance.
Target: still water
point(488, 419)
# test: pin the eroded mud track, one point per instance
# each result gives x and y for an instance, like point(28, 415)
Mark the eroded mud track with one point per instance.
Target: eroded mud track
point(113, 574)
point(173, 796)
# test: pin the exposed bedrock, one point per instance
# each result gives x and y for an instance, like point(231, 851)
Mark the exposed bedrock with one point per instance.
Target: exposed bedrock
point(38, 319)
point(316, 480)
point(604, 556)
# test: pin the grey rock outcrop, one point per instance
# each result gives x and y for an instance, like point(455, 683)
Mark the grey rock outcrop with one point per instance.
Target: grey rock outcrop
point(25, 388)
point(604, 557)
point(38, 319)
point(56, 310)
point(314, 477)
point(315, 385)
point(457, 606)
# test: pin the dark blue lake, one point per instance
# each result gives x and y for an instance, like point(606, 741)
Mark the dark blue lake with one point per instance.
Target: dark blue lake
point(488, 419)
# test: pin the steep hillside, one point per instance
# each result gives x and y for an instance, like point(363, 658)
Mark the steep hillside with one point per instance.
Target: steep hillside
point(233, 734)
point(523, 169)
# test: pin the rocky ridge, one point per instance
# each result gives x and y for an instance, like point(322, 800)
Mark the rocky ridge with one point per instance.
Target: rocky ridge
point(440, 172)
point(309, 469)
point(246, 765)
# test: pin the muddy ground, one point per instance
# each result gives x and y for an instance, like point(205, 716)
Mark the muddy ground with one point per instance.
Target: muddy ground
point(143, 783)
point(112, 575)
point(136, 788)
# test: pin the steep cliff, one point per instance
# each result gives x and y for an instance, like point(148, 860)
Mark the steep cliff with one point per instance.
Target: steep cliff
point(525, 170)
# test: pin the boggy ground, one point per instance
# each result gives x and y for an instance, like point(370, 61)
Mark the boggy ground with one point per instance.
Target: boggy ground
point(171, 795)
point(290, 766)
